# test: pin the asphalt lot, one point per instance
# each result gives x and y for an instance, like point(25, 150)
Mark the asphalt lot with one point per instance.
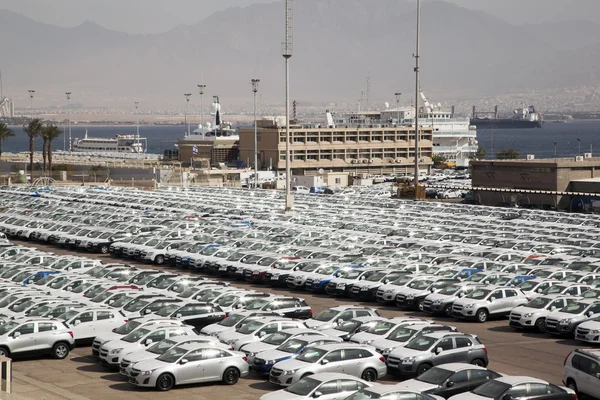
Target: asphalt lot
point(81, 377)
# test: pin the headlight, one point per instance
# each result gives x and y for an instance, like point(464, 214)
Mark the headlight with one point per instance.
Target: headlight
point(252, 354)
point(275, 275)
point(408, 359)
point(364, 289)
point(387, 351)
point(437, 302)
point(470, 306)
point(148, 372)
point(595, 331)
point(341, 285)
point(116, 351)
point(291, 371)
point(232, 342)
point(410, 296)
point(565, 321)
point(269, 362)
point(369, 341)
point(528, 315)
point(388, 291)
point(150, 254)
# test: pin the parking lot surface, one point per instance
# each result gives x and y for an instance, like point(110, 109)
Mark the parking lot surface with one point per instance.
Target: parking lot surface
point(81, 377)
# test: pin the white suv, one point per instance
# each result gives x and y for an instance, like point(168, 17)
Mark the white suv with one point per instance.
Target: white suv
point(488, 301)
point(581, 372)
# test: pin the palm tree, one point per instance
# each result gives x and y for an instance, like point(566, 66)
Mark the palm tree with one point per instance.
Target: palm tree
point(49, 133)
point(5, 133)
point(33, 129)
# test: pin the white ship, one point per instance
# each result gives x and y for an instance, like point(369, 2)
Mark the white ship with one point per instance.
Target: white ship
point(220, 131)
point(129, 144)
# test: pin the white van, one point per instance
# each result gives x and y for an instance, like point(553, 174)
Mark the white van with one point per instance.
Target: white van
point(301, 189)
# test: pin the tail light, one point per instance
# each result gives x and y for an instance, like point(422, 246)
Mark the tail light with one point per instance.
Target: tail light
point(71, 333)
point(382, 359)
point(126, 321)
point(261, 274)
point(224, 316)
point(485, 349)
point(574, 396)
point(310, 314)
point(566, 358)
point(245, 358)
point(528, 299)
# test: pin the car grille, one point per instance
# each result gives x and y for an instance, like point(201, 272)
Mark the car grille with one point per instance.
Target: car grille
point(582, 331)
point(103, 353)
point(355, 290)
point(276, 372)
point(134, 372)
point(427, 304)
point(380, 293)
point(331, 286)
point(400, 298)
point(393, 362)
point(551, 323)
point(308, 282)
point(96, 345)
point(258, 361)
point(457, 308)
point(125, 363)
point(248, 273)
point(515, 317)
point(268, 275)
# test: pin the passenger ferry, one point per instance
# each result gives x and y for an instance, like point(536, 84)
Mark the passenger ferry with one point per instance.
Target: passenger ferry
point(118, 144)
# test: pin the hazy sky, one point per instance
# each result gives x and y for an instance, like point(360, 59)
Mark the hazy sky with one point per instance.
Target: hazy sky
point(153, 16)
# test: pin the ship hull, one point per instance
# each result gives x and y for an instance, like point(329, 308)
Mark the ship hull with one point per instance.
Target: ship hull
point(505, 124)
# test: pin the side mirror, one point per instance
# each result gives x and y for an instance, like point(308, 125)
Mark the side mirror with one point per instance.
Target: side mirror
point(491, 299)
point(325, 362)
point(148, 342)
point(238, 305)
point(110, 301)
point(590, 313)
point(386, 281)
point(507, 397)
point(449, 384)
point(552, 308)
point(316, 395)
point(539, 291)
point(597, 375)
point(438, 350)
point(262, 334)
point(147, 311)
point(297, 269)
point(16, 334)
point(184, 361)
point(76, 322)
point(268, 309)
point(178, 316)
point(69, 289)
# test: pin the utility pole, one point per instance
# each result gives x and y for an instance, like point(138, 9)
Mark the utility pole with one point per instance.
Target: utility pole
point(554, 150)
point(286, 52)
point(137, 124)
point(417, 84)
point(31, 93)
point(398, 94)
point(187, 107)
point(254, 90)
point(201, 92)
point(69, 119)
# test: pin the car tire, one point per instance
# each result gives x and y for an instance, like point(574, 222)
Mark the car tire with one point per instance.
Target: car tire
point(448, 310)
point(369, 375)
point(160, 259)
point(423, 368)
point(60, 350)
point(104, 249)
point(4, 352)
point(573, 386)
point(165, 382)
point(479, 362)
point(540, 325)
point(419, 305)
point(482, 315)
point(231, 376)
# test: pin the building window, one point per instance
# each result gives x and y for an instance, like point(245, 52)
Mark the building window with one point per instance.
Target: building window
point(338, 181)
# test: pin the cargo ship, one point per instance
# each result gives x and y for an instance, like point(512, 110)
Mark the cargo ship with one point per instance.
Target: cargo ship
point(523, 118)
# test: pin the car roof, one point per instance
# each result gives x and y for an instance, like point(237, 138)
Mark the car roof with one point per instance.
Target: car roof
point(329, 376)
point(516, 380)
point(383, 389)
point(459, 366)
point(344, 345)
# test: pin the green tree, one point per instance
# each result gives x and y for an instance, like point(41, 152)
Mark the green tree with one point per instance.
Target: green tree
point(479, 154)
point(49, 133)
point(33, 130)
point(438, 160)
point(508, 154)
point(5, 133)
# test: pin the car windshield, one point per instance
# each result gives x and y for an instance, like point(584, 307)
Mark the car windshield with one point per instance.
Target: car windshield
point(136, 335)
point(478, 294)
point(401, 334)
point(350, 273)
point(127, 327)
point(403, 280)
point(49, 278)
point(448, 290)
point(136, 305)
point(250, 327)
point(367, 395)
point(292, 345)
point(4, 329)
point(491, 389)
point(419, 285)
point(538, 303)
point(7, 300)
point(232, 320)
point(381, 327)
point(311, 355)
point(68, 315)
point(187, 293)
point(121, 301)
point(24, 306)
point(257, 304)
point(227, 301)
point(555, 289)
point(435, 376)
point(162, 346)
point(39, 311)
point(303, 387)
point(172, 355)
point(102, 296)
point(277, 338)
point(348, 326)
point(575, 308)
point(528, 285)
point(326, 315)
point(421, 343)
point(168, 310)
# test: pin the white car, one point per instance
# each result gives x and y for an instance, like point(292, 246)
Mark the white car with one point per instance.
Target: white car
point(233, 321)
point(325, 386)
point(589, 331)
point(382, 328)
point(534, 313)
point(88, 323)
point(333, 316)
point(517, 386)
point(402, 334)
point(276, 339)
point(256, 330)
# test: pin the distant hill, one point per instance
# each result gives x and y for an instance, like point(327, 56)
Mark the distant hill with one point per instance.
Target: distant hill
point(337, 43)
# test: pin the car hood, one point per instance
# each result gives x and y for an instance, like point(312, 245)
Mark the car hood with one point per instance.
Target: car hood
point(362, 337)
point(213, 328)
point(525, 310)
point(121, 344)
point(562, 315)
point(334, 332)
point(150, 365)
point(403, 352)
point(343, 280)
point(468, 396)
point(274, 354)
point(393, 288)
point(256, 347)
point(443, 297)
point(464, 301)
point(108, 336)
point(313, 323)
point(408, 291)
point(140, 355)
point(413, 384)
point(281, 394)
point(367, 284)
point(386, 344)
point(231, 335)
point(287, 365)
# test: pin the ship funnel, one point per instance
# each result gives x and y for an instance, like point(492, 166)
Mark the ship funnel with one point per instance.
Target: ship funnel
point(217, 109)
point(330, 123)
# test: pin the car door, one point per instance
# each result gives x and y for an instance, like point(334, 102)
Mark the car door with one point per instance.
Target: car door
point(588, 381)
point(512, 299)
point(332, 362)
point(268, 329)
point(497, 302)
point(352, 363)
point(194, 315)
point(45, 336)
point(106, 321)
point(82, 325)
point(455, 384)
point(447, 353)
point(516, 391)
point(348, 387)
point(213, 364)
point(191, 370)
point(329, 391)
point(22, 339)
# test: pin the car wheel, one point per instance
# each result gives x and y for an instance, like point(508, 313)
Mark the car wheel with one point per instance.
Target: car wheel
point(482, 315)
point(369, 375)
point(448, 310)
point(478, 362)
point(420, 305)
point(165, 382)
point(540, 325)
point(571, 385)
point(4, 352)
point(60, 351)
point(160, 260)
point(104, 249)
point(231, 376)
point(422, 368)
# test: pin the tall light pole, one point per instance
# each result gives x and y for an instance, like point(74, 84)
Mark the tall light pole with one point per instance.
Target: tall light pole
point(187, 106)
point(137, 123)
point(31, 93)
point(201, 91)
point(398, 94)
point(554, 143)
point(286, 52)
point(417, 95)
point(578, 146)
point(254, 90)
point(69, 116)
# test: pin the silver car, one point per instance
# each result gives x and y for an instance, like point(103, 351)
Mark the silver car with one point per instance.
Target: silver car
point(277, 339)
point(325, 386)
point(488, 301)
point(534, 313)
point(36, 336)
point(391, 392)
point(351, 359)
point(331, 317)
point(190, 363)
